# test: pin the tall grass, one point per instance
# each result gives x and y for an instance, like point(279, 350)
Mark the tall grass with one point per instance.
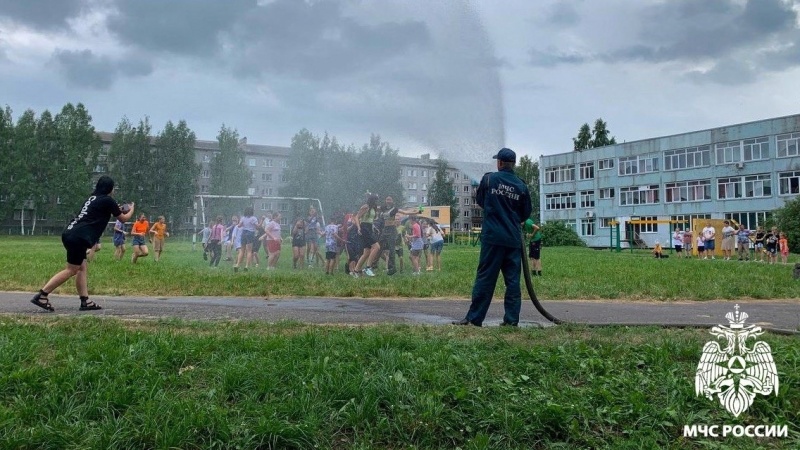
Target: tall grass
point(103, 383)
point(569, 273)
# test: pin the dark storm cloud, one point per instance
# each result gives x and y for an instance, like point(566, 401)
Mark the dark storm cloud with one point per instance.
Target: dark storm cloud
point(41, 14)
point(563, 14)
point(187, 27)
point(85, 69)
point(720, 32)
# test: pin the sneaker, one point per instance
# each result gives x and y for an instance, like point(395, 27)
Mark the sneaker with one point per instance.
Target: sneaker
point(705, 257)
point(713, 257)
point(354, 274)
point(415, 273)
point(369, 272)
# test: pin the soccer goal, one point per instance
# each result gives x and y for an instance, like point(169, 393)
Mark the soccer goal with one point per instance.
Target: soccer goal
point(207, 207)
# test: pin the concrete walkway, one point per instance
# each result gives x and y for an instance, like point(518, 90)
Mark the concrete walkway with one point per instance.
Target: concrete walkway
point(773, 314)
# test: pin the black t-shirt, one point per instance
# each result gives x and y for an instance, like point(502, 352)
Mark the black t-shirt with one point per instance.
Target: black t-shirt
point(93, 218)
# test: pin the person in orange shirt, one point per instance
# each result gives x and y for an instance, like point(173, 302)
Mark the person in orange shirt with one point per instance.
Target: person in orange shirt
point(783, 247)
point(159, 232)
point(139, 231)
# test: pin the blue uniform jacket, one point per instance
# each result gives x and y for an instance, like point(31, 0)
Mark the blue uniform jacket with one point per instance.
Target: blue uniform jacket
point(506, 203)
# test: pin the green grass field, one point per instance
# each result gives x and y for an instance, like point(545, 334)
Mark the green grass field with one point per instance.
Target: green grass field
point(95, 382)
point(569, 273)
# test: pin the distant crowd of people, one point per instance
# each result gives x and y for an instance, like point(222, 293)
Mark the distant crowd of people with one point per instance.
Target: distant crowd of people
point(756, 245)
point(373, 234)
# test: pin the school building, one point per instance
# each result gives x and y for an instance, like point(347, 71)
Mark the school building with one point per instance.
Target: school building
point(741, 172)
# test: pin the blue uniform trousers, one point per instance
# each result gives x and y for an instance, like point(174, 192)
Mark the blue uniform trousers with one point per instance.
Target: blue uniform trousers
point(493, 260)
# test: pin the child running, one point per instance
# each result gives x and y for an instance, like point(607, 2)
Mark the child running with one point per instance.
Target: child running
point(119, 239)
point(139, 233)
point(159, 232)
point(783, 245)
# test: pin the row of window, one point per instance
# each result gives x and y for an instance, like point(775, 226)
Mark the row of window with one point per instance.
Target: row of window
point(748, 186)
point(588, 225)
point(744, 150)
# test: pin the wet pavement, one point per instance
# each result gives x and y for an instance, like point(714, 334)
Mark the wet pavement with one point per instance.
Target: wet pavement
point(773, 314)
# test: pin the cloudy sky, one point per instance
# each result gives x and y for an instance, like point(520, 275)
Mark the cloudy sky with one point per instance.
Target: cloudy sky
point(449, 77)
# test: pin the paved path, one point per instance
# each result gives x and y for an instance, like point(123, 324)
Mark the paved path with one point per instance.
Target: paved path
point(783, 315)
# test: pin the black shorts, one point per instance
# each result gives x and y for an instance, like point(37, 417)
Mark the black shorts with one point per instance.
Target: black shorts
point(367, 235)
point(678, 248)
point(76, 248)
point(353, 253)
point(248, 237)
point(535, 250)
point(298, 242)
point(330, 256)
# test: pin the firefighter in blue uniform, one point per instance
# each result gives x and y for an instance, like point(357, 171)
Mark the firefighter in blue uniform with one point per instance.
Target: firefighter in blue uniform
point(506, 204)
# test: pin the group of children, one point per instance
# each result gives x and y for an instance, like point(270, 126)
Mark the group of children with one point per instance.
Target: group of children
point(765, 245)
point(363, 236)
point(139, 238)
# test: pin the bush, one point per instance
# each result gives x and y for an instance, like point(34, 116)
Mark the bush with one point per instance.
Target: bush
point(787, 219)
point(557, 234)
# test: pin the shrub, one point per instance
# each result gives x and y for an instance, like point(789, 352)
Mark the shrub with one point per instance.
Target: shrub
point(787, 219)
point(557, 234)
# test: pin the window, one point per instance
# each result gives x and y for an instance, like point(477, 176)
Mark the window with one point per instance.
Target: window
point(467, 201)
point(788, 145)
point(638, 195)
point(251, 191)
point(758, 186)
point(412, 172)
point(284, 164)
point(605, 164)
point(586, 171)
point(605, 222)
point(755, 149)
point(41, 215)
point(686, 158)
point(100, 168)
point(204, 189)
point(283, 207)
point(465, 189)
point(284, 221)
point(687, 191)
point(412, 185)
point(188, 220)
point(267, 192)
point(638, 164)
point(266, 177)
point(424, 186)
point(18, 214)
point(466, 213)
point(251, 162)
point(728, 188)
point(268, 163)
point(434, 213)
point(422, 199)
point(789, 183)
point(206, 158)
point(266, 206)
point(728, 152)
point(606, 193)
point(587, 227)
point(559, 201)
point(646, 227)
point(206, 174)
point(412, 198)
point(424, 173)
point(587, 199)
point(559, 174)
point(749, 219)
point(283, 178)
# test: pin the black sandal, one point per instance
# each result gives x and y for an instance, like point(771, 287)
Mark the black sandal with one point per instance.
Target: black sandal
point(89, 306)
point(42, 302)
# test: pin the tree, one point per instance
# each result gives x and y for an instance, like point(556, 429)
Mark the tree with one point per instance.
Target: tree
point(229, 175)
point(175, 171)
point(584, 139)
point(441, 191)
point(132, 165)
point(24, 190)
point(600, 133)
point(75, 156)
point(9, 157)
point(787, 219)
point(528, 171)
point(592, 138)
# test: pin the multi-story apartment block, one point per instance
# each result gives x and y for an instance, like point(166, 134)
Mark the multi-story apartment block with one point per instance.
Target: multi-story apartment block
point(741, 172)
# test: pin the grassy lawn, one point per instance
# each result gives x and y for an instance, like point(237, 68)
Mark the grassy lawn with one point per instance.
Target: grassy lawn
point(92, 382)
point(103, 383)
point(569, 273)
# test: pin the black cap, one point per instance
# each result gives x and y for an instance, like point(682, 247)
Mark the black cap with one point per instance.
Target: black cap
point(506, 154)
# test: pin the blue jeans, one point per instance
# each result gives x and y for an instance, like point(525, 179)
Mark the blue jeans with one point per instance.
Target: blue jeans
point(493, 260)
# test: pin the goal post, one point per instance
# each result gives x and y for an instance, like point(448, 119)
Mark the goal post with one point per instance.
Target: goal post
point(207, 206)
